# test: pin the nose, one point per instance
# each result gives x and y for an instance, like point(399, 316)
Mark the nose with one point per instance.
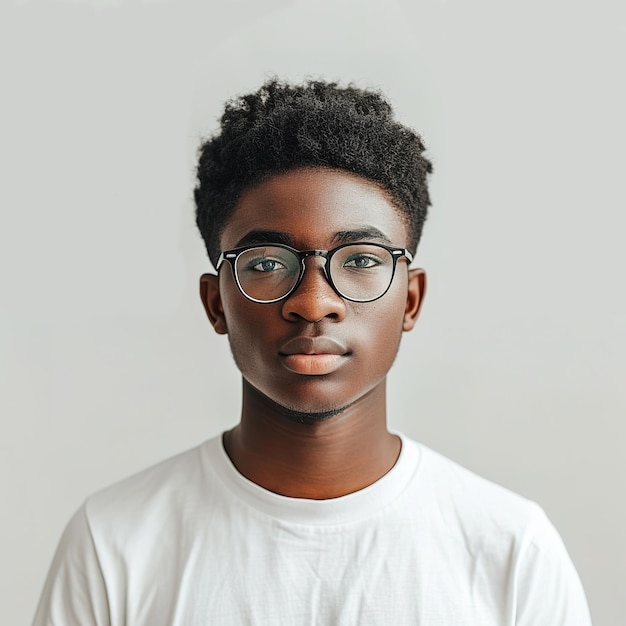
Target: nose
point(314, 299)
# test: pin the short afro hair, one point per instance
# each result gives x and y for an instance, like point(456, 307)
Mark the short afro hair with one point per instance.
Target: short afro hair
point(282, 127)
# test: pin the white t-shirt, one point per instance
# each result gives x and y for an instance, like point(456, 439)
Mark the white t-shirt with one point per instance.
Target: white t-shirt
point(191, 542)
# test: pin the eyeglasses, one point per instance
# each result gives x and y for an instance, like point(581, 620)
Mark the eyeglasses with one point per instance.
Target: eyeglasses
point(360, 272)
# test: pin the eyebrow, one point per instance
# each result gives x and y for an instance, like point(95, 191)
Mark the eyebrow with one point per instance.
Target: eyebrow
point(257, 236)
point(367, 233)
point(265, 236)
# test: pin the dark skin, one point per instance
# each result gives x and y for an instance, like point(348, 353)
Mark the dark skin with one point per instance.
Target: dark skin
point(314, 365)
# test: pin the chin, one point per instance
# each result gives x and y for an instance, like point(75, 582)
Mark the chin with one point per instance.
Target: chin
point(314, 413)
point(304, 417)
point(302, 408)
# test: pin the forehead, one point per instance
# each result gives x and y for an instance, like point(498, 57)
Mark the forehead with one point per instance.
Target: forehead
point(311, 206)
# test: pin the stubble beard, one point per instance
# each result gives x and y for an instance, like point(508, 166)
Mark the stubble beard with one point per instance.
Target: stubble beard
point(301, 417)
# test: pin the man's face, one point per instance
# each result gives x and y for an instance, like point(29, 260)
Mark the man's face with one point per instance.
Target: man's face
point(314, 352)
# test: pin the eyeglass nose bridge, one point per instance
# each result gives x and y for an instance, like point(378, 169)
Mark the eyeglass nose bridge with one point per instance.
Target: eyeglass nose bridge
point(305, 254)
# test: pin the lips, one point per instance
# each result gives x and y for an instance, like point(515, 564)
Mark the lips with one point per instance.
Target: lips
point(313, 356)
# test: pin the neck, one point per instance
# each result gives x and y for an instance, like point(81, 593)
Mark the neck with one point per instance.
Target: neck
point(315, 458)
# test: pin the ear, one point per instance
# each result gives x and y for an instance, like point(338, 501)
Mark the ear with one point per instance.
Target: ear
point(415, 296)
point(212, 301)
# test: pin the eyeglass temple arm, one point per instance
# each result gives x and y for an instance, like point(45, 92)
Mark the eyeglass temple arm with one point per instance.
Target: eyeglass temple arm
point(405, 252)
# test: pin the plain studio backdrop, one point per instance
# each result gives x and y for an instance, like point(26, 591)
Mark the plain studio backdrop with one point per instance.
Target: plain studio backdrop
point(517, 366)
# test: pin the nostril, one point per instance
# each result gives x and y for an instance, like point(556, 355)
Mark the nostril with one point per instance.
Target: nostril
point(312, 305)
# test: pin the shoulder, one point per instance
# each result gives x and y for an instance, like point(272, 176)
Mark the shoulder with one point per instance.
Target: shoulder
point(450, 480)
point(479, 509)
point(123, 533)
point(151, 496)
point(498, 536)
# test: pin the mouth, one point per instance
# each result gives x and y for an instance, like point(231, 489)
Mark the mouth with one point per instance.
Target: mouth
point(313, 356)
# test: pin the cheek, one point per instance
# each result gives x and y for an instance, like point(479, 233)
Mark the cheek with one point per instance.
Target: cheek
point(243, 341)
point(381, 330)
point(389, 311)
point(241, 315)
point(391, 326)
point(249, 332)
point(244, 334)
point(240, 323)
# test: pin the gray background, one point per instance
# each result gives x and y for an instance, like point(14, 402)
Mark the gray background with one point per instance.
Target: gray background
point(516, 368)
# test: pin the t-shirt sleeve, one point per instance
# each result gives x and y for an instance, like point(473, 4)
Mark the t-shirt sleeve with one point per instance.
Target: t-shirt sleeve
point(75, 592)
point(548, 589)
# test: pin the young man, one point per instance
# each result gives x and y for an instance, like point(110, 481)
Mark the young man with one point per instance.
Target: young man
point(311, 203)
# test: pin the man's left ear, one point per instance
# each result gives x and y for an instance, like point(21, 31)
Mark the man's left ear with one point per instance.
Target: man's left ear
point(415, 297)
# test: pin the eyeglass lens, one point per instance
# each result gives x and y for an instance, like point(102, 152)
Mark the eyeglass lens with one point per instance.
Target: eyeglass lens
point(359, 272)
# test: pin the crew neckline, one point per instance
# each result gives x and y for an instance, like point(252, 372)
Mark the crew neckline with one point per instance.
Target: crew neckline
point(346, 509)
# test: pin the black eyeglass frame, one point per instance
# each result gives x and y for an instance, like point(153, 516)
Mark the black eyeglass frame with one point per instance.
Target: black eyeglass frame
point(232, 255)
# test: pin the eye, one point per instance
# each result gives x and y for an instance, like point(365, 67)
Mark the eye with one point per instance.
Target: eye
point(265, 264)
point(362, 261)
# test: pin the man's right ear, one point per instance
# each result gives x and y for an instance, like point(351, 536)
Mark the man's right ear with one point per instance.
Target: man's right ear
point(212, 301)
